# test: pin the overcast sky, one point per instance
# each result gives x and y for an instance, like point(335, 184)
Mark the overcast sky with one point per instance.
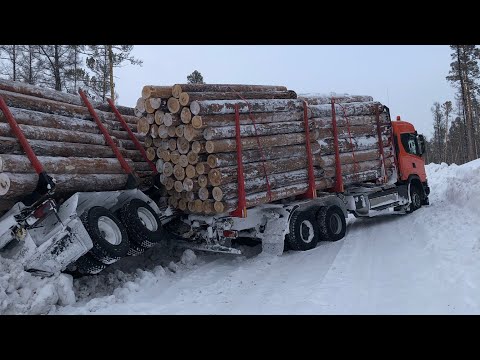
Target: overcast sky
point(408, 79)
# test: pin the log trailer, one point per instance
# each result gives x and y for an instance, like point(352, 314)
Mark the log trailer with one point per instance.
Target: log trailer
point(87, 231)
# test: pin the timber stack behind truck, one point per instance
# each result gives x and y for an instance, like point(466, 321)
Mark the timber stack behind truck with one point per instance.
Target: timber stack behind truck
point(299, 165)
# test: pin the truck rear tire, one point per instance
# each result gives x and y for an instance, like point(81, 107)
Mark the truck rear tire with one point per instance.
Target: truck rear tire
point(143, 225)
point(304, 233)
point(109, 237)
point(331, 223)
point(88, 265)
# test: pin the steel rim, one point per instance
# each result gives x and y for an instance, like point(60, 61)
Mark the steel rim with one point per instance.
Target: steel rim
point(147, 219)
point(335, 224)
point(109, 230)
point(306, 231)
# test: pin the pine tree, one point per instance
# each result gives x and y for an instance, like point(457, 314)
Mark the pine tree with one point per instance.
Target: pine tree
point(195, 78)
point(447, 110)
point(101, 61)
point(464, 73)
point(56, 61)
point(439, 133)
point(29, 65)
point(9, 53)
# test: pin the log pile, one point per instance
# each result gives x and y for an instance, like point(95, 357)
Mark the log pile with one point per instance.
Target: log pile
point(190, 134)
point(67, 142)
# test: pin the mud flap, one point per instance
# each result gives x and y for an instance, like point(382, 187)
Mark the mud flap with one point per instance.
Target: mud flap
point(273, 238)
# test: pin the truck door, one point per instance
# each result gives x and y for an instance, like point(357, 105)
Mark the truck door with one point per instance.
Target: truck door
point(410, 157)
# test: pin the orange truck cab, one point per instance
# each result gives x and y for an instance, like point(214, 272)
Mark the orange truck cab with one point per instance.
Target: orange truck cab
point(409, 148)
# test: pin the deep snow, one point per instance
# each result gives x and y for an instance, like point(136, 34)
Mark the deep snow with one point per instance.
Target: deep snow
point(425, 262)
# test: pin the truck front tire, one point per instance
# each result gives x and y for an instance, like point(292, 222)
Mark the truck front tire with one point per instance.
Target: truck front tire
point(331, 223)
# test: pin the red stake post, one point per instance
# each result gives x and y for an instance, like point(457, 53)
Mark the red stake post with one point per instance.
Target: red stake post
point(241, 210)
point(21, 138)
point(338, 166)
point(311, 192)
point(132, 136)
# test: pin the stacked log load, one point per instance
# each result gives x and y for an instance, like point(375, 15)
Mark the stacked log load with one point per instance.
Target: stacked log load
point(190, 133)
point(67, 142)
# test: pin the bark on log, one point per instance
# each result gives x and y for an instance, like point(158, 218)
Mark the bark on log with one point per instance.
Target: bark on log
point(54, 107)
point(23, 184)
point(201, 122)
point(64, 165)
point(163, 92)
point(229, 145)
point(313, 99)
point(187, 98)
point(254, 185)
point(179, 88)
point(326, 122)
point(216, 133)
point(230, 159)
point(55, 148)
point(214, 107)
point(219, 176)
point(348, 109)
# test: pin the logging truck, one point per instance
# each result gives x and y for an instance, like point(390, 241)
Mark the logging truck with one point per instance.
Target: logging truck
point(86, 231)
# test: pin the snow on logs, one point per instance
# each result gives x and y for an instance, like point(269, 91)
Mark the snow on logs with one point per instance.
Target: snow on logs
point(192, 140)
point(67, 142)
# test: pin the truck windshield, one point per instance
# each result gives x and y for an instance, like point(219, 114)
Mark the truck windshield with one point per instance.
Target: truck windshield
point(409, 142)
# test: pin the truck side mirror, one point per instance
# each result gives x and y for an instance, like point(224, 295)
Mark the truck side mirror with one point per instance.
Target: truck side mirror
point(421, 144)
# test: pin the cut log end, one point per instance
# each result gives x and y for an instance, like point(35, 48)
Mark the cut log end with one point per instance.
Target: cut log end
point(210, 147)
point(192, 158)
point(198, 206)
point(200, 168)
point(184, 98)
point(143, 127)
point(197, 122)
point(159, 117)
point(214, 177)
point(217, 194)
point(219, 207)
point(179, 172)
point(175, 157)
point(212, 161)
point(196, 146)
point(202, 180)
point(185, 115)
point(182, 204)
point(179, 130)
point(4, 184)
point(190, 171)
point(183, 161)
point(178, 185)
point(195, 107)
point(176, 91)
point(203, 193)
point(167, 169)
point(169, 183)
point(188, 184)
point(173, 105)
point(183, 145)
point(208, 207)
point(151, 153)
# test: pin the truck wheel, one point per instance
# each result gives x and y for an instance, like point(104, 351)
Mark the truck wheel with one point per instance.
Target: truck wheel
point(303, 232)
point(331, 223)
point(87, 264)
point(143, 224)
point(109, 237)
point(416, 197)
point(136, 249)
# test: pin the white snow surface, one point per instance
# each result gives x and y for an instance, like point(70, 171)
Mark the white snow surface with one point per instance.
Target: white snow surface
point(422, 263)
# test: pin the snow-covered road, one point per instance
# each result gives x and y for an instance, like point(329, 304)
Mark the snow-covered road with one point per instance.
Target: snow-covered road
point(425, 262)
